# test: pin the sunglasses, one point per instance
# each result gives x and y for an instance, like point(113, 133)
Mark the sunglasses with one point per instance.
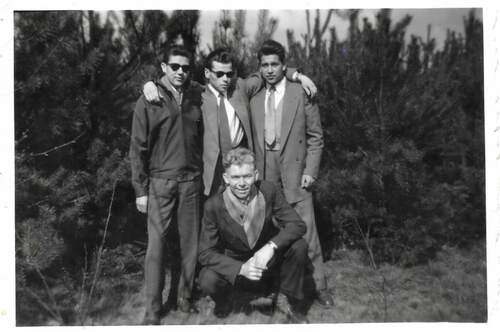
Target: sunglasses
point(176, 66)
point(219, 74)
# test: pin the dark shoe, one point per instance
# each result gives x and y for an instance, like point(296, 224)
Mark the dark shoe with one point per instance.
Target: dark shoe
point(151, 320)
point(186, 306)
point(324, 298)
point(223, 308)
point(283, 305)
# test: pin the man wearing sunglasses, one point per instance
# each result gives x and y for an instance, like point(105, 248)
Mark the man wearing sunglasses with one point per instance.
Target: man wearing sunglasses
point(227, 124)
point(225, 117)
point(165, 156)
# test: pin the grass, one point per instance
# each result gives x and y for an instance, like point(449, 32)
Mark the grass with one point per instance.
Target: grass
point(450, 288)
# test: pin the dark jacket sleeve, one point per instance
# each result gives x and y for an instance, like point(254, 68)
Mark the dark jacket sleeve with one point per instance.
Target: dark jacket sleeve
point(291, 225)
point(211, 251)
point(139, 154)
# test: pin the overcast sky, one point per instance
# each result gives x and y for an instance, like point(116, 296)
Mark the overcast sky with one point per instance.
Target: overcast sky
point(440, 19)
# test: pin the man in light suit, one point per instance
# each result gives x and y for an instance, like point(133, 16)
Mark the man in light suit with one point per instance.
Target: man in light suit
point(288, 142)
point(243, 248)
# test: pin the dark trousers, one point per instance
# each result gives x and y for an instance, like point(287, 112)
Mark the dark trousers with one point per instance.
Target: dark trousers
point(285, 274)
point(170, 200)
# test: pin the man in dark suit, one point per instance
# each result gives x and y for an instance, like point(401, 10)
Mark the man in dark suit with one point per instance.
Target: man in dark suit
point(165, 156)
point(288, 142)
point(242, 247)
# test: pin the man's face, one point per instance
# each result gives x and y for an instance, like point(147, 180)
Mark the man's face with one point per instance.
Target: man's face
point(176, 70)
point(240, 179)
point(272, 69)
point(220, 75)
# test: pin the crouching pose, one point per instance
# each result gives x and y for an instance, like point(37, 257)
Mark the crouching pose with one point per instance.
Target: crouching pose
point(251, 240)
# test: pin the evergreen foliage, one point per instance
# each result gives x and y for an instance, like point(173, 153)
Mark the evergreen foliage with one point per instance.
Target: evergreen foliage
point(404, 154)
point(403, 164)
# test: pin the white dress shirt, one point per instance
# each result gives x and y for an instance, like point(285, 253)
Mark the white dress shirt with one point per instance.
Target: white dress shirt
point(235, 127)
point(278, 94)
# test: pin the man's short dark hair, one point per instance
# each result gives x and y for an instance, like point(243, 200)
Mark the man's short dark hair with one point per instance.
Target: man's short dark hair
point(176, 50)
point(272, 47)
point(222, 55)
point(238, 156)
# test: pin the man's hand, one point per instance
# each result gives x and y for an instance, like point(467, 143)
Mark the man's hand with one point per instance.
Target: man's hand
point(142, 204)
point(263, 256)
point(307, 181)
point(151, 92)
point(308, 85)
point(250, 270)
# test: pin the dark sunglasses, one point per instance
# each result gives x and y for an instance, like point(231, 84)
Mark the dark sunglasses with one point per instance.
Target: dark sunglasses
point(219, 74)
point(176, 66)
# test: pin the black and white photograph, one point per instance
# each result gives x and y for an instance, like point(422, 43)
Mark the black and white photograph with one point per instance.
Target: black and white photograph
point(215, 166)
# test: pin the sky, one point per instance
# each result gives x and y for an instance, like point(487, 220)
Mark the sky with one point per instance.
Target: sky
point(440, 19)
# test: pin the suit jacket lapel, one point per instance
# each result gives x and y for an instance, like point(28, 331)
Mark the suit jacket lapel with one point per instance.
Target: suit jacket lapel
point(209, 109)
point(258, 117)
point(290, 100)
point(241, 111)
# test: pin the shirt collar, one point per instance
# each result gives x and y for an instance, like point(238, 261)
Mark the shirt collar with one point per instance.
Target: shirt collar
point(214, 91)
point(280, 86)
point(166, 84)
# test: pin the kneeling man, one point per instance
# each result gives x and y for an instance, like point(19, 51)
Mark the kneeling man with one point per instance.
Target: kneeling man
point(251, 239)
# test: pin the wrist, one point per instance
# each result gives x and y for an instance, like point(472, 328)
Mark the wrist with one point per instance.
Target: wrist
point(272, 245)
point(296, 76)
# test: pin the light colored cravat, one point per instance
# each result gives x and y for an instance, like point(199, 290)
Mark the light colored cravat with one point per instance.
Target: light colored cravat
point(270, 119)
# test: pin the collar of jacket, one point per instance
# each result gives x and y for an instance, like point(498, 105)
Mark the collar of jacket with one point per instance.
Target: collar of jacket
point(167, 90)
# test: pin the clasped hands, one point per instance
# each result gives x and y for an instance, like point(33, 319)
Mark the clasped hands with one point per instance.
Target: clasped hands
point(254, 267)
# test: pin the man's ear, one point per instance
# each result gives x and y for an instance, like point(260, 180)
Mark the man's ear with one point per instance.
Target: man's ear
point(284, 67)
point(207, 73)
point(164, 67)
point(225, 177)
point(256, 175)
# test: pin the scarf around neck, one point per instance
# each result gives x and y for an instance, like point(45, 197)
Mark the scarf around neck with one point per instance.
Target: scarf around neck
point(250, 216)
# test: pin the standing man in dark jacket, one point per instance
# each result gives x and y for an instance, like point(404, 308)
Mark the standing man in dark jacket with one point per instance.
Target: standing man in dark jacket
point(165, 155)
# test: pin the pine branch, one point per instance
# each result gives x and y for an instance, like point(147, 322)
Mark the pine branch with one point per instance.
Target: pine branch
point(44, 305)
point(82, 287)
point(47, 58)
point(327, 21)
point(57, 313)
point(99, 254)
point(46, 153)
point(367, 244)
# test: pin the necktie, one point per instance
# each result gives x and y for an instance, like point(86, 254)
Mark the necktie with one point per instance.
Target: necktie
point(224, 132)
point(270, 119)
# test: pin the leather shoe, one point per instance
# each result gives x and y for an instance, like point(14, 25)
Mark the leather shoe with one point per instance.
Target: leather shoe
point(284, 306)
point(186, 306)
point(151, 320)
point(324, 298)
point(223, 309)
